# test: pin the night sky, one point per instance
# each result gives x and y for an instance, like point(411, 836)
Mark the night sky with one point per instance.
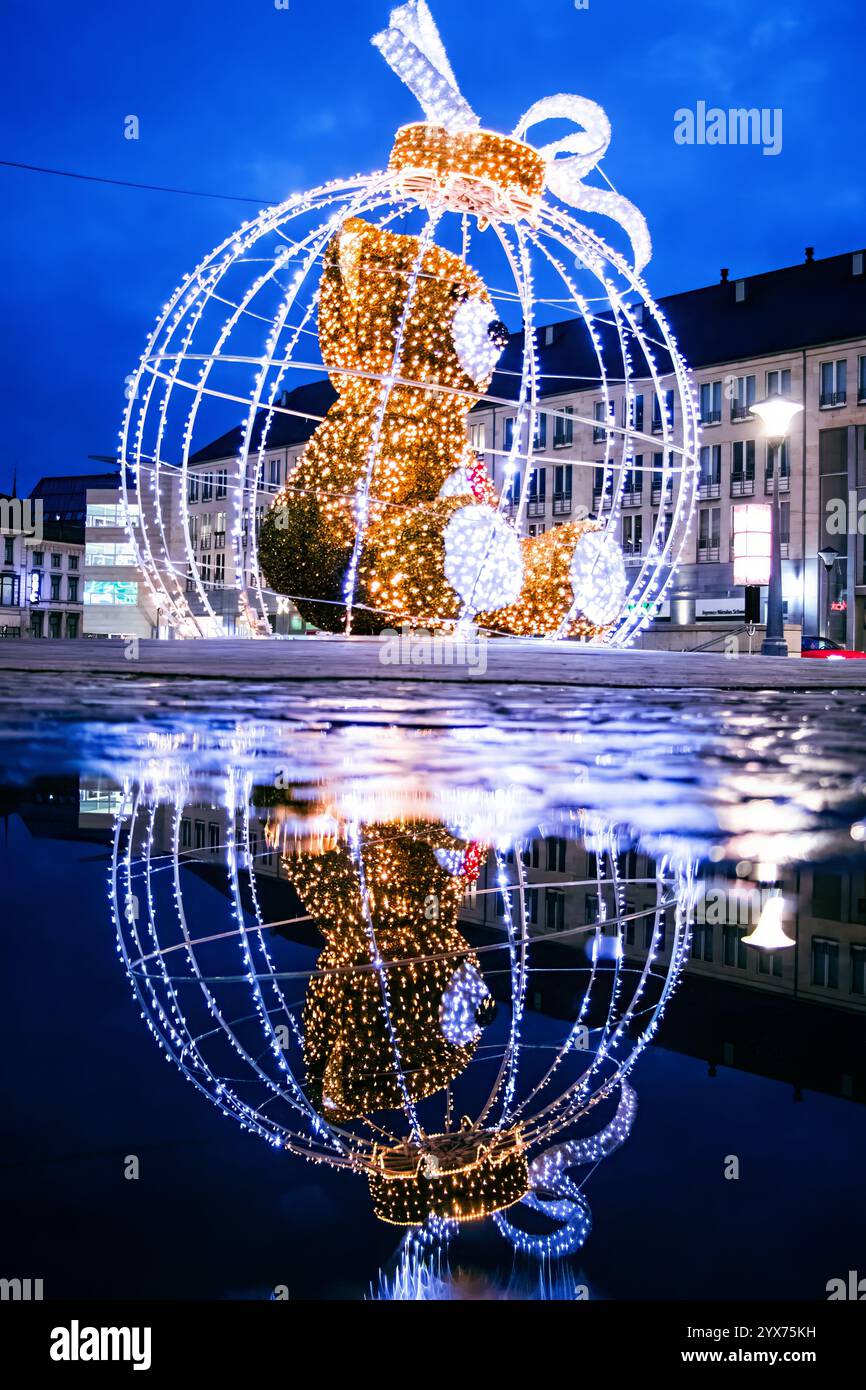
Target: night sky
point(240, 97)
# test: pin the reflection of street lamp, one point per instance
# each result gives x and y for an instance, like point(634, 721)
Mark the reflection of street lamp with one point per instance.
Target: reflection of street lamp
point(775, 414)
point(828, 557)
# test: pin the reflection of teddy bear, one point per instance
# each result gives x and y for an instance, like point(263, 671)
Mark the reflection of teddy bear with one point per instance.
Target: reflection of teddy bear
point(434, 539)
point(397, 898)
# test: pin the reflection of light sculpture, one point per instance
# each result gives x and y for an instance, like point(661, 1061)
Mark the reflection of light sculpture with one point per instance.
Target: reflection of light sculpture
point(389, 515)
point(384, 1057)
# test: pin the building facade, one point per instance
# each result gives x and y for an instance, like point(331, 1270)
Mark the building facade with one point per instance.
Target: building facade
point(41, 576)
point(798, 332)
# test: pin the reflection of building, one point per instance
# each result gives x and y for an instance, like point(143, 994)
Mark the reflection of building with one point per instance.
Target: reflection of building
point(800, 331)
point(41, 582)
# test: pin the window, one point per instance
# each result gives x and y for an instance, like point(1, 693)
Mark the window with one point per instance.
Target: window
point(711, 403)
point(536, 492)
point(773, 453)
point(734, 950)
point(632, 484)
point(590, 910)
point(784, 527)
point(508, 440)
point(834, 383)
point(9, 549)
point(662, 532)
point(861, 381)
point(55, 588)
point(72, 625)
point(219, 530)
point(511, 489)
point(222, 482)
point(108, 514)
point(71, 590)
point(206, 530)
point(556, 855)
point(563, 428)
point(636, 413)
point(709, 534)
point(206, 487)
point(710, 484)
point(185, 834)
point(562, 489)
point(219, 569)
point(37, 624)
point(770, 963)
point(779, 382)
point(858, 969)
point(554, 909)
point(120, 554)
point(661, 483)
point(743, 398)
point(110, 591)
point(532, 905)
point(668, 412)
point(199, 834)
point(204, 566)
point(54, 621)
point(273, 472)
point(73, 562)
point(702, 941)
point(38, 560)
point(477, 438)
point(56, 560)
point(531, 856)
point(632, 536)
point(192, 490)
point(743, 468)
point(10, 589)
point(539, 437)
point(599, 433)
point(825, 962)
point(213, 837)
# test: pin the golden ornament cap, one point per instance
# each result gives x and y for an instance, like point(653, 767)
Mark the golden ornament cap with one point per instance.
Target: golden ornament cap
point(474, 171)
point(461, 1176)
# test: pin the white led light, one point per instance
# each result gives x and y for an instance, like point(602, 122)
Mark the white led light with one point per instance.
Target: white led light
point(477, 350)
point(482, 558)
point(598, 579)
point(463, 997)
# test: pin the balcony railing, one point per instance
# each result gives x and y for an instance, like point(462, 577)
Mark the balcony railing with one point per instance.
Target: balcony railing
point(742, 487)
point(659, 492)
point(708, 490)
point(632, 497)
point(535, 506)
point(562, 504)
point(784, 483)
point(711, 417)
point(831, 398)
point(633, 556)
point(740, 411)
point(708, 554)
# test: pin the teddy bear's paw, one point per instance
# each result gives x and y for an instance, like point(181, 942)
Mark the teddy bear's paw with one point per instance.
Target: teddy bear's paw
point(483, 563)
point(598, 578)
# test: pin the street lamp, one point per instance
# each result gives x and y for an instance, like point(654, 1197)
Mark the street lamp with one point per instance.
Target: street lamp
point(828, 557)
point(775, 414)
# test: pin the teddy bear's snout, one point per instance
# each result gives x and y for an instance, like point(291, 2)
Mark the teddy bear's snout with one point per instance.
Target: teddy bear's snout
point(497, 331)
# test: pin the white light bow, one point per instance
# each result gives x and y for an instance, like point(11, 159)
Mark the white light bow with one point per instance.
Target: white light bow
point(585, 147)
point(413, 48)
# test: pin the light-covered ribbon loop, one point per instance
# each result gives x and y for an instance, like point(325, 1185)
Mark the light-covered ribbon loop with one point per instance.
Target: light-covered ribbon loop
point(584, 148)
point(413, 49)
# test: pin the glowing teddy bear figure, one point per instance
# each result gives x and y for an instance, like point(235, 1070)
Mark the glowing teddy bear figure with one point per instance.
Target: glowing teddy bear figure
point(394, 899)
point(411, 338)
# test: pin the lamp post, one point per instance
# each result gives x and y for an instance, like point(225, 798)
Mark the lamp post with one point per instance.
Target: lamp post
point(828, 557)
point(775, 414)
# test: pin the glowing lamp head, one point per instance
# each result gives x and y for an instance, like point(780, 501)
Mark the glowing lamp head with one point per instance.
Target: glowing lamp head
point(776, 414)
point(769, 934)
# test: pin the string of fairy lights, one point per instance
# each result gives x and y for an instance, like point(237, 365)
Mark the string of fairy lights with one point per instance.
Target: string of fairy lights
point(396, 1008)
point(413, 545)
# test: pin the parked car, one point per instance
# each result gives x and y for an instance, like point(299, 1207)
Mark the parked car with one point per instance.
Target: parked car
point(831, 651)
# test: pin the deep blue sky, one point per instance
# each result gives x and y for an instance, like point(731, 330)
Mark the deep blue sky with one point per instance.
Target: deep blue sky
point(236, 96)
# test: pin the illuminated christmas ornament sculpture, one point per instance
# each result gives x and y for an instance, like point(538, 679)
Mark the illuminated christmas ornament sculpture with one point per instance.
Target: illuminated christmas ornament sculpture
point(388, 516)
point(387, 1056)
